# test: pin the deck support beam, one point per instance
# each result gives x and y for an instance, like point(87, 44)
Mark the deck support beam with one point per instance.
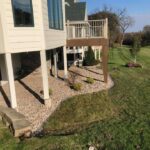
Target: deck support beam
point(55, 63)
point(46, 97)
point(10, 76)
point(65, 62)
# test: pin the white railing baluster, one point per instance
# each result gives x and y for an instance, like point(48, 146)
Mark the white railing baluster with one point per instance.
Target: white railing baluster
point(87, 29)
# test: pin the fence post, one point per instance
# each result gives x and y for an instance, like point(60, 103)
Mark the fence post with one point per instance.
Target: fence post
point(106, 28)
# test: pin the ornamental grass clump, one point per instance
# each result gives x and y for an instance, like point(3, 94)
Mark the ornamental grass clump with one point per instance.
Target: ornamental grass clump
point(76, 86)
point(90, 80)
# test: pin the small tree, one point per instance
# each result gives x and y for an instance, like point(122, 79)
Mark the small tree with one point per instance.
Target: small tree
point(136, 47)
point(89, 57)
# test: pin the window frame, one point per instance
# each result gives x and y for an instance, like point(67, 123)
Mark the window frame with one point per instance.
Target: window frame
point(23, 25)
point(53, 25)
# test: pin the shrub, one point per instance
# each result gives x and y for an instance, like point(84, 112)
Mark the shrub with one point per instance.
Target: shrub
point(90, 80)
point(76, 86)
point(89, 59)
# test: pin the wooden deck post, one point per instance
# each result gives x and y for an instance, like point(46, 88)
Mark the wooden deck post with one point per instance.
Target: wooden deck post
point(105, 61)
point(47, 100)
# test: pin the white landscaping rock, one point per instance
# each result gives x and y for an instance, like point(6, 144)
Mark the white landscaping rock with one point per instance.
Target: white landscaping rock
point(28, 93)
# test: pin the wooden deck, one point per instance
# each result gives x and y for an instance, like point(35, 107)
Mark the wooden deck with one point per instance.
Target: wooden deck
point(94, 42)
point(87, 42)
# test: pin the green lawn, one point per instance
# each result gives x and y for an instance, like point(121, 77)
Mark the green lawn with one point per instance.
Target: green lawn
point(118, 119)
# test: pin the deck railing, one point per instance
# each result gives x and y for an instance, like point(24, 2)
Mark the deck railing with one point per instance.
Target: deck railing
point(87, 29)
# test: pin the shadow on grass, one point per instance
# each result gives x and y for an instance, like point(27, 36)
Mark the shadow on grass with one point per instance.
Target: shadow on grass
point(69, 130)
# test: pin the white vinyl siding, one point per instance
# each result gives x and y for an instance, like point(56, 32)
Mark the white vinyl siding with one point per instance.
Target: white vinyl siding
point(26, 39)
point(53, 38)
point(1, 38)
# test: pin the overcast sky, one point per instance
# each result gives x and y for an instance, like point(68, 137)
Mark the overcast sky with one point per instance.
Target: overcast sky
point(138, 9)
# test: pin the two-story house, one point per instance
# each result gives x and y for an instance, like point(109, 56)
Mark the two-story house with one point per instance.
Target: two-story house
point(39, 28)
point(28, 26)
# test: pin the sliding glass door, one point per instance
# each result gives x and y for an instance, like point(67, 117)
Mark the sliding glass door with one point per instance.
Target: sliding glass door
point(55, 14)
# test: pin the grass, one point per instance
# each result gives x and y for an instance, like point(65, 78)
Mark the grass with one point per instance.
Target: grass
point(118, 119)
point(80, 111)
point(7, 141)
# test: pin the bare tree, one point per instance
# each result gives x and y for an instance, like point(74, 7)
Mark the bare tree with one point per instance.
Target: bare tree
point(113, 22)
point(125, 21)
point(118, 22)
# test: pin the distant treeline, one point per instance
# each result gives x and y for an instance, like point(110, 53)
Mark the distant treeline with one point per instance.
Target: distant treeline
point(144, 36)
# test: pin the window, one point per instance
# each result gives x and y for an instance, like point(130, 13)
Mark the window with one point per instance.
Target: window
point(23, 13)
point(55, 14)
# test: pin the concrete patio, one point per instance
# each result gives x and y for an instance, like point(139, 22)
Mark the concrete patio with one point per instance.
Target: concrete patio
point(29, 98)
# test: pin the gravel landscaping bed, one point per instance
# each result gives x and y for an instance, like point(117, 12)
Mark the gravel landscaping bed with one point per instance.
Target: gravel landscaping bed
point(29, 96)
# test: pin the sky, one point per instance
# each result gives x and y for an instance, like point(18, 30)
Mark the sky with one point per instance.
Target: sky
point(138, 9)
